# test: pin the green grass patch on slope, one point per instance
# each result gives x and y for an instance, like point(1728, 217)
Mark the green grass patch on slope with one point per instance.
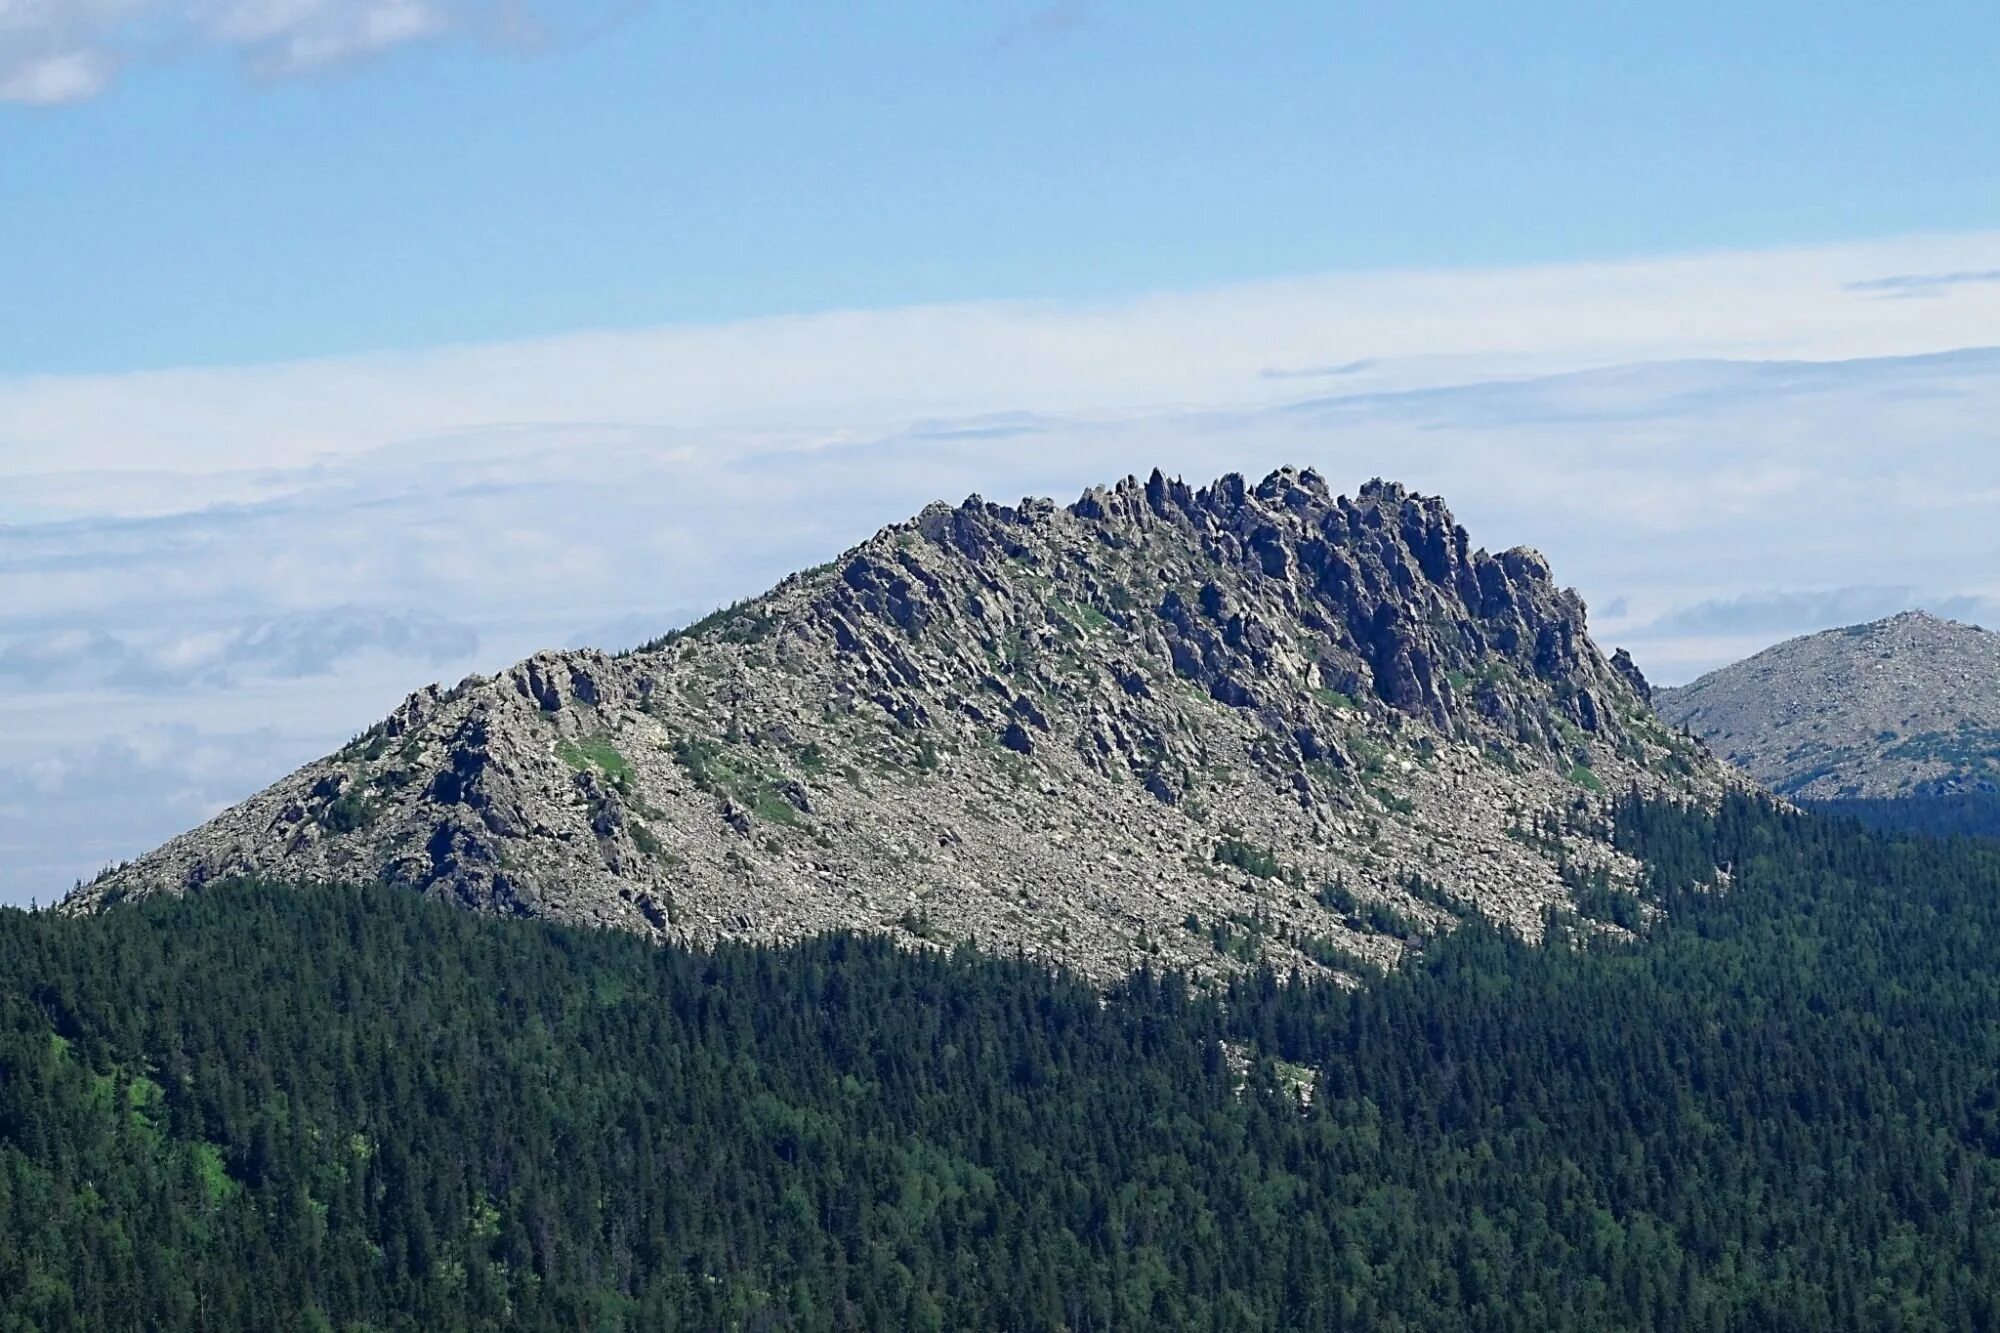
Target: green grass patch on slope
point(596, 752)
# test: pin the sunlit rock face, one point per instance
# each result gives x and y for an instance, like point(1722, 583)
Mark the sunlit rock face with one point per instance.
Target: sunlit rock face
point(1192, 727)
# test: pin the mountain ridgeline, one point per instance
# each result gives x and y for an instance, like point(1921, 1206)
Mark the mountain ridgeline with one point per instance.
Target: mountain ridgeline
point(1199, 728)
point(1907, 707)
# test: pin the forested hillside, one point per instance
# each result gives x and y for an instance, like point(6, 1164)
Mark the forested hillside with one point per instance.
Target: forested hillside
point(1968, 814)
point(257, 1108)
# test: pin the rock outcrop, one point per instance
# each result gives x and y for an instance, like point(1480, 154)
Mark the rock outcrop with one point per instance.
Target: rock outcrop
point(1903, 707)
point(1196, 727)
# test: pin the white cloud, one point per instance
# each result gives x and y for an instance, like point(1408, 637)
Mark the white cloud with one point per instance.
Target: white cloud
point(283, 37)
point(1922, 284)
point(69, 812)
point(56, 51)
point(54, 77)
point(867, 370)
point(1802, 611)
point(294, 645)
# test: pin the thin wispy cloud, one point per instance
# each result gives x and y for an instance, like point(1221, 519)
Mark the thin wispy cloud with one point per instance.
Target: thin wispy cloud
point(1924, 284)
point(60, 51)
point(65, 813)
point(1043, 26)
point(869, 369)
point(287, 37)
point(294, 645)
point(54, 51)
point(1802, 611)
point(1315, 372)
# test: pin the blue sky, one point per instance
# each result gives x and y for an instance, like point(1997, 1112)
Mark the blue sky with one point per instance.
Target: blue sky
point(354, 344)
point(220, 201)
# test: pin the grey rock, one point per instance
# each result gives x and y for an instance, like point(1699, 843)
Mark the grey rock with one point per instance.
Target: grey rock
point(1903, 707)
point(1038, 727)
point(1622, 663)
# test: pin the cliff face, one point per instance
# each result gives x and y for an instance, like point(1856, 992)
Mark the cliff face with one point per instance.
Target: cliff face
point(1908, 706)
point(1190, 726)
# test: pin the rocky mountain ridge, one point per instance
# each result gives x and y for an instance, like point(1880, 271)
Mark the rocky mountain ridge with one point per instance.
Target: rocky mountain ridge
point(1193, 726)
point(1908, 706)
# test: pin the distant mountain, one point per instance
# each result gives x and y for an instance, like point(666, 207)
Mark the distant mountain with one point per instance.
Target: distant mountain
point(1903, 707)
point(1196, 727)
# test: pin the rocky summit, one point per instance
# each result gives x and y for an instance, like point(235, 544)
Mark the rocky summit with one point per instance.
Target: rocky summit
point(1196, 727)
point(1903, 707)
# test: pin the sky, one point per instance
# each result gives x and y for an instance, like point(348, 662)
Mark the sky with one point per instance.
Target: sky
point(354, 344)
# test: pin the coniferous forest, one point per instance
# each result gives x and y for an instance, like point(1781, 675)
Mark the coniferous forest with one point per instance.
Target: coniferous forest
point(271, 1108)
point(1965, 814)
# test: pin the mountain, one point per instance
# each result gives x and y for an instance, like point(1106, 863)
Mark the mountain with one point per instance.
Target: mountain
point(1197, 727)
point(1907, 706)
